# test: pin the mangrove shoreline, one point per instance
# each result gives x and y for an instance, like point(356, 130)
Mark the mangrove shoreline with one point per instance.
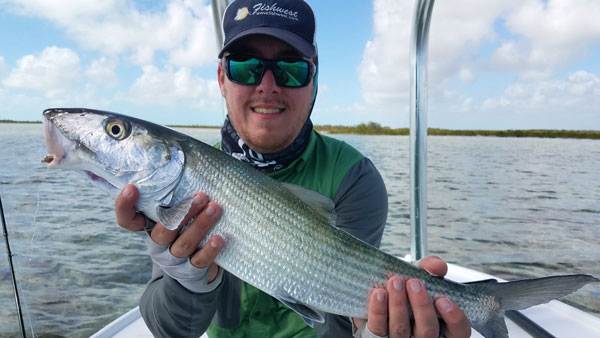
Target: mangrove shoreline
point(373, 128)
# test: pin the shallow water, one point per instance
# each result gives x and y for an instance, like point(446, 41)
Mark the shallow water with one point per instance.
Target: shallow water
point(512, 207)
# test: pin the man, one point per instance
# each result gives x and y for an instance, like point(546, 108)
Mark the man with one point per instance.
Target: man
point(268, 76)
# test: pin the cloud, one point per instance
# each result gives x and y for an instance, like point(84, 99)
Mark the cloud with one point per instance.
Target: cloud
point(123, 37)
point(548, 35)
point(383, 72)
point(579, 89)
point(199, 45)
point(566, 102)
point(56, 9)
point(54, 72)
point(471, 42)
point(52, 77)
point(102, 71)
point(457, 30)
point(544, 33)
point(57, 74)
point(182, 31)
point(169, 87)
point(466, 75)
point(1, 63)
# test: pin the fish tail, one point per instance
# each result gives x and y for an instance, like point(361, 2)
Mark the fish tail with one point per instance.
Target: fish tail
point(519, 295)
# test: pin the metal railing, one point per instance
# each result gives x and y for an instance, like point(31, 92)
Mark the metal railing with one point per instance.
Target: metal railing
point(418, 128)
point(218, 9)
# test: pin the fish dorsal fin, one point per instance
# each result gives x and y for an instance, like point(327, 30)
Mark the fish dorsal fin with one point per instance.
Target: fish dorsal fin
point(171, 216)
point(307, 314)
point(315, 200)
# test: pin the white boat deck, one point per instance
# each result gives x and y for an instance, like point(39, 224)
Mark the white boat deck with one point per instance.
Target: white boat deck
point(557, 318)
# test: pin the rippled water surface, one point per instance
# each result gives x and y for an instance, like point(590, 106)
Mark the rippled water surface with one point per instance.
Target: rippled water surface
point(512, 207)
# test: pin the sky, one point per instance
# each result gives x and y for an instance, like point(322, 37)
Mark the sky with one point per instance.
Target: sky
point(493, 64)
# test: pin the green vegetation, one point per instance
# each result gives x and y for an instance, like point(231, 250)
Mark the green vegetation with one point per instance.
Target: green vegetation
point(192, 126)
point(544, 133)
point(373, 128)
point(11, 121)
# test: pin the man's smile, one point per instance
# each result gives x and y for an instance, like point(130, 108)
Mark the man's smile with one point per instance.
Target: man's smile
point(267, 110)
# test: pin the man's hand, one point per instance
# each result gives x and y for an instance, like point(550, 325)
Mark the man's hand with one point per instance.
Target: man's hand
point(181, 245)
point(389, 310)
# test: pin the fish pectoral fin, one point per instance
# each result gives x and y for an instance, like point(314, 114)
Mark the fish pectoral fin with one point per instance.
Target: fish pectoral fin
point(166, 201)
point(171, 216)
point(307, 314)
point(317, 201)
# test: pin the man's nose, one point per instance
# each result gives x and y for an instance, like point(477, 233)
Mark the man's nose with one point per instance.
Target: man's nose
point(268, 83)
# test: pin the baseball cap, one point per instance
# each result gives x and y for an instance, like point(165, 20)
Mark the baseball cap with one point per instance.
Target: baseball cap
point(291, 21)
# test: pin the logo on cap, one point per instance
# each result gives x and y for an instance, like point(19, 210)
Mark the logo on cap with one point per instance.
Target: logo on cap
point(262, 9)
point(242, 13)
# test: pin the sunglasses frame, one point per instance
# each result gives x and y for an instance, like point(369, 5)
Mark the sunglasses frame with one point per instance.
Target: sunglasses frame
point(268, 64)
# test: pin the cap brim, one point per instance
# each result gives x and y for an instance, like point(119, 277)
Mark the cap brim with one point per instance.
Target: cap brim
point(294, 41)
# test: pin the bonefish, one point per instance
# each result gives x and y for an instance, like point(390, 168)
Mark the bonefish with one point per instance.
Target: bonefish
point(281, 238)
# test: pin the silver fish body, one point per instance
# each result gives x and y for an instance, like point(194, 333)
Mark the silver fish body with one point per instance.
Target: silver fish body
point(280, 238)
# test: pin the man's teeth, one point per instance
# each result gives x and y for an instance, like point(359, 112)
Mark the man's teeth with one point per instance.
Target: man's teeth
point(268, 110)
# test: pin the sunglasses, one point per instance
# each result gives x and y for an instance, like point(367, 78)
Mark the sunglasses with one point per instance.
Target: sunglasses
point(248, 70)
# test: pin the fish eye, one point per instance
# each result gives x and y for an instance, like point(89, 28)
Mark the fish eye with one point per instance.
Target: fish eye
point(117, 129)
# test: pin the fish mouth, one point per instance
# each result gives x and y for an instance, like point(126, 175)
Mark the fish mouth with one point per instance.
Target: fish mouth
point(65, 153)
point(100, 181)
point(55, 144)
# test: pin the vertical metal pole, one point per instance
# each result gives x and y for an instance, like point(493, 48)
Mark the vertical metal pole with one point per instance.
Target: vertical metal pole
point(418, 128)
point(12, 270)
point(218, 10)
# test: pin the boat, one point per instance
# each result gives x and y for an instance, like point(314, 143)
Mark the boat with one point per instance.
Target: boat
point(554, 319)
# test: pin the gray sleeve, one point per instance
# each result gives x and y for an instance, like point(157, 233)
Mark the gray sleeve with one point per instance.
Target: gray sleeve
point(361, 205)
point(170, 310)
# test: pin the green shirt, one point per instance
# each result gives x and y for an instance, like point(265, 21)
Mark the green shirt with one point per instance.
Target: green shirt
point(321, 167)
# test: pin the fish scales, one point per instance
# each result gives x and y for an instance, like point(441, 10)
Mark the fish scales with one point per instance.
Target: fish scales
point(317, 248)
point(327, 247)
point(274, 240)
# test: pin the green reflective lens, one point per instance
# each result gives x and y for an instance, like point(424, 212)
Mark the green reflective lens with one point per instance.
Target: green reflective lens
point(250, 71)
point(292, 74)
point(246, 71)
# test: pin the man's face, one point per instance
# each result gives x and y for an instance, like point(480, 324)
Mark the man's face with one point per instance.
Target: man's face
point(266, 116)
